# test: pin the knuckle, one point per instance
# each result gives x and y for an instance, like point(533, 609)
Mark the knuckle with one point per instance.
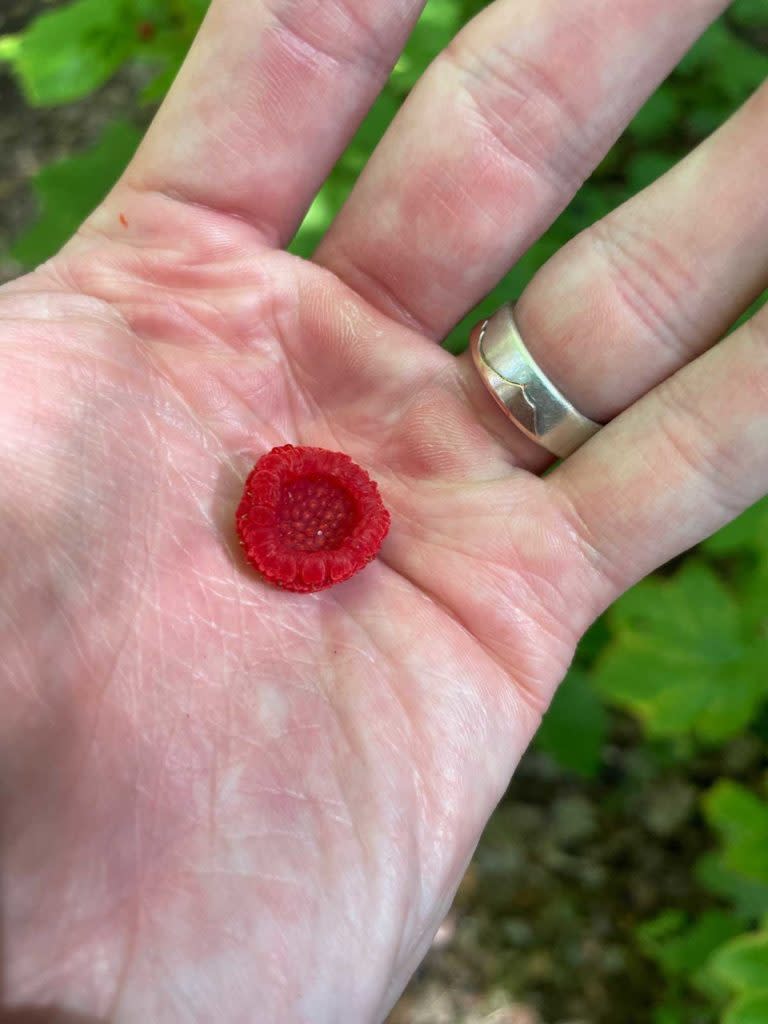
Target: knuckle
point(693, 439)
point(524, 109)
point(340, 35)
point(601, 564)
point(651, 282)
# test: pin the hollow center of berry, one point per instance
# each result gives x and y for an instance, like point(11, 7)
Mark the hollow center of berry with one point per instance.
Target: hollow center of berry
point(315, 514)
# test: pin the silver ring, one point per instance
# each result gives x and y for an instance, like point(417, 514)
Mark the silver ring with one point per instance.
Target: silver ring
point(523, 390)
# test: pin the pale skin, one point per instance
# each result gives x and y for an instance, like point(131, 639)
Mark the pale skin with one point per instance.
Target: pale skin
point(222, 802)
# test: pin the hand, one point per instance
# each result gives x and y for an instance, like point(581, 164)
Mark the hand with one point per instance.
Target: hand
point(223, 802)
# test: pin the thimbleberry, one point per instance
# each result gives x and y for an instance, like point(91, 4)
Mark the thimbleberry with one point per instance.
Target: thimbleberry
point(310, 518)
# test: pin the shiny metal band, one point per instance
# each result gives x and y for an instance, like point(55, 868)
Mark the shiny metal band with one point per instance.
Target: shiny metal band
point(523, 390)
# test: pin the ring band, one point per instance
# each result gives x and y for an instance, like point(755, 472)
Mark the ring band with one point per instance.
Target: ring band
point(523, 390)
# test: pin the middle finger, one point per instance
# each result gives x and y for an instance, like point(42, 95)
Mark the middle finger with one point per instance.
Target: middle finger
point(494, 142)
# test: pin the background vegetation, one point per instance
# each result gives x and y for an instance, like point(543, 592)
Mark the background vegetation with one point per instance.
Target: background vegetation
point(625, 875)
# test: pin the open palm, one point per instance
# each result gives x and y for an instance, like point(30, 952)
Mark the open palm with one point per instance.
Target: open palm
point(226, 802)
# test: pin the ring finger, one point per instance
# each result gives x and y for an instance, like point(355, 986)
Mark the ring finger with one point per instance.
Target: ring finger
point(641, 293)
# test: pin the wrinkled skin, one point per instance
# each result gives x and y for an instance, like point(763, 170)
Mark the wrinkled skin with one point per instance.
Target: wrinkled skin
point(222, 802)
point(227, 772)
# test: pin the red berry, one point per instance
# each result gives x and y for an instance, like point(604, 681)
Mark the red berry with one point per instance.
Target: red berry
point(310, 518)
point(145, 30)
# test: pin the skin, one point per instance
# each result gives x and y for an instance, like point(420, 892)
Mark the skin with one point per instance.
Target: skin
point(223, 802)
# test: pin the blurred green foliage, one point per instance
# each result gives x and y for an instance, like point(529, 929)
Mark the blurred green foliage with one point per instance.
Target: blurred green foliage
point(69, 52)
point(685, 652)
point(682, 658)
point(742, 965)
point(574, 731)
point(64, 198)
point(683, 948)
point(741, 819)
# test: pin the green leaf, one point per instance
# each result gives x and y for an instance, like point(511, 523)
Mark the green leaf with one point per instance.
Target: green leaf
point(9, 47)
point(166, 52)
point(743, 544)
point(706, 118)
point(170, 41)
point(647, 166)
point(681, 948)
point(573, 730)
point(668, 1013)
point(747, 533)
point(679, 659)
point(751, 1009)
point(750, 13)
point(593, 643)
point(752, 310)
point(469, 8)
point(755, 598)
point(324, 208)
point(69, 190)
point(748, 898)
point(155, 90)
point(66, 54)
point(743, 963)
point(730, 66)
point(657, 930)
point(741, 818)
point(657, 117)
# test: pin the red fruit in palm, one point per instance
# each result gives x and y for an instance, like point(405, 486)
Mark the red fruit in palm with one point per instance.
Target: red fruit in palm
point(310, 518)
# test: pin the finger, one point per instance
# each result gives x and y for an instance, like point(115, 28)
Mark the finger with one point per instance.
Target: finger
point(642, 292)
point(268, 98)
point(494, 142)
point(673, 468)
